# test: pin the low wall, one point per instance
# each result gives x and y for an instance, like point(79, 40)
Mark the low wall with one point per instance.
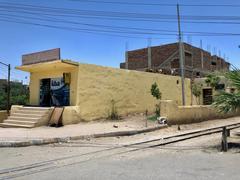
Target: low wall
point(190, 114)
point(71, 115)
point(3, 116)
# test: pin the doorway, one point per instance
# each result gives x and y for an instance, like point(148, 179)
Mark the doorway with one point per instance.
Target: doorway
point(54, 92)
point(45, 93)
point(207, 97)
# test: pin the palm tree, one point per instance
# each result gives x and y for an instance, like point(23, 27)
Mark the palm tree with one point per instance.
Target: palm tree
point(212, 80)
point(227, 101)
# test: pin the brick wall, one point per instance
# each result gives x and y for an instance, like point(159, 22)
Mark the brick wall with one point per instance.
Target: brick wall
point(195, 58)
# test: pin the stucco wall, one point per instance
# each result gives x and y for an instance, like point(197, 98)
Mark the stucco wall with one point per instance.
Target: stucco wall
point(130, 90)
point(93, 88)
point(71, 115)
point(190, 114)
point(54, 73)
point(3, 116)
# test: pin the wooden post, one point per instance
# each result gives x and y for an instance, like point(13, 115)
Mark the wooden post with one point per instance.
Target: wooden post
point(146, 117)
point(224, 140)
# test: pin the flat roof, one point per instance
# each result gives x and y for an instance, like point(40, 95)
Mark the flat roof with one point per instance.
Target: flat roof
point(49, 66)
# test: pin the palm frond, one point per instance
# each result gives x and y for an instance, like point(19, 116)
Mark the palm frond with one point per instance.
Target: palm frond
point(234, 77)
point(227, 102)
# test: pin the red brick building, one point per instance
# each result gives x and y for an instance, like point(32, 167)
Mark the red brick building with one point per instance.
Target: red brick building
point(165, 59)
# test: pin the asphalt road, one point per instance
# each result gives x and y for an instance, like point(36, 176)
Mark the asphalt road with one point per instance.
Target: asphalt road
point(154, 165)
point(188, 160)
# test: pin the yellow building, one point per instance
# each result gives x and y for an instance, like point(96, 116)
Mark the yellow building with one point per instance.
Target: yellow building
point(87, 91)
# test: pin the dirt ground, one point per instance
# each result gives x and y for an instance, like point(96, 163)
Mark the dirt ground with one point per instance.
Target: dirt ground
point(163, 132)
point(136, 122)
point(210, 143)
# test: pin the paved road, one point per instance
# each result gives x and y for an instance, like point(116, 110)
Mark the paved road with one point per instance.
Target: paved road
point(181, 161)
point(154, 165)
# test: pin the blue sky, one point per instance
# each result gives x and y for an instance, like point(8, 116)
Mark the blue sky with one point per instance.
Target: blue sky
point(17, 39)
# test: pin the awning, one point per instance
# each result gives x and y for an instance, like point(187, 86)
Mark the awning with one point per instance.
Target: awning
point(49, 66)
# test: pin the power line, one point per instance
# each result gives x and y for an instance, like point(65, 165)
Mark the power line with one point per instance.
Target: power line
point(86, 24)
point(105, 28)
point(4, 69)
point(157, 4)
point(145, 4)
point(78, 29)
point(220, 22)
point(118, 29)
point(61, 11)
point(124, 3)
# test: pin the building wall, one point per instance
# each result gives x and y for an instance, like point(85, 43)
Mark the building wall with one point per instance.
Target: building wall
point(94, 87)
point(35, 78)
point(195, 58)
point(129, 89)
point(138, 59)
point(3, 116)
point(190, 114)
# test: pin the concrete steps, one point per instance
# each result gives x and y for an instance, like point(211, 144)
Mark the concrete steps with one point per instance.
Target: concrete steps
point(28, 117)
point(30, 123)
point(11, 125)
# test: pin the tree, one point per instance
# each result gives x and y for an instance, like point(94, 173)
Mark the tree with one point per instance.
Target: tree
point(19, 94)
point(212, 80)
point(197, 91)
point(158, 95)
point(227, 101)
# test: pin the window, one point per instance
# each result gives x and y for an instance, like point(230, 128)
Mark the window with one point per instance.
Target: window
point(214, 63)
point(232, 90)
point(220, 87)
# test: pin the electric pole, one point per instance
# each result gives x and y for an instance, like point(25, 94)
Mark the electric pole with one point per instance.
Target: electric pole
point(8, 86)
point(126, 55)
point(201, 46)
point(9, 89)
point(181, 56)
point(149, 54)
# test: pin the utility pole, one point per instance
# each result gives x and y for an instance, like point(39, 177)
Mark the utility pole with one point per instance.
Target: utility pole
point(220, 60)
point(149, 53)
point(181, 56)
point(201, 46)
point(9, 89)
point(126, 55)
point(8, 86)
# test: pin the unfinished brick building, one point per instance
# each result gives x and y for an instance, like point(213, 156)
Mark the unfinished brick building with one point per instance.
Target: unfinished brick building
point(165, 59)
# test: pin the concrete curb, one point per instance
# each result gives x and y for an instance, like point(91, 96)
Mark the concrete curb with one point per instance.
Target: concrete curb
point(37, 142)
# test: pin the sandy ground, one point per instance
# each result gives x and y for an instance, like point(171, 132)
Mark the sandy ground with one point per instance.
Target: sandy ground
point(173, 130)
point(131, 123)
point(85, 128)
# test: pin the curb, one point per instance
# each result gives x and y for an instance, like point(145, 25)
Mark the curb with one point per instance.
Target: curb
point(37, 142)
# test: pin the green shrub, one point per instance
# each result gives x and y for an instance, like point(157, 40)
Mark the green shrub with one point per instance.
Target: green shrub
point(158, 95)
point(113, 114)
point(197, 91)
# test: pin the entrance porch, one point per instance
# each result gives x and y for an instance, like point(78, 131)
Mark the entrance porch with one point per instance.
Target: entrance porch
point(52, 83)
